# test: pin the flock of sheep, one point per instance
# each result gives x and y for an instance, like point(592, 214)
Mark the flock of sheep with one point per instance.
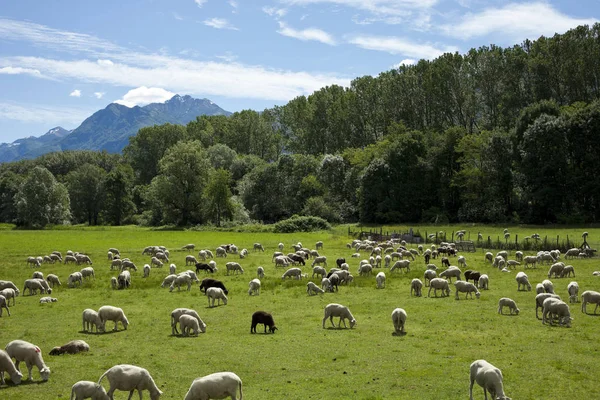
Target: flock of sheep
point(395, 256)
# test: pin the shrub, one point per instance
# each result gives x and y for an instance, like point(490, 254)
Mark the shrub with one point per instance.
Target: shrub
point(301, 224)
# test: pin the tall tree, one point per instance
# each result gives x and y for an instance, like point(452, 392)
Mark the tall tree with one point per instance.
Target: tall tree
point(218, 196)
point(86, 191)
point(119, 203)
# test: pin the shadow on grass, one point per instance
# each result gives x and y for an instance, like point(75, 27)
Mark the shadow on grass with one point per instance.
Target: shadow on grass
point(100, 333)
point(510, 315)
point(336, 328)
point(592, 315)
point(398, 333)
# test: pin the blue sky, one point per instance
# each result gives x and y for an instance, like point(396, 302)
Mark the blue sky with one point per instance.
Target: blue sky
point(60, 61)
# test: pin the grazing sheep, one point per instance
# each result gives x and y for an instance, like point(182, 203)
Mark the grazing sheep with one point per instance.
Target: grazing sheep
point(489, 378)
point(439, 283)
point(522, 280)
point(592, 297)
point(519, 256)
point(452, 271)
point(189, 323)
point(401, 264)
point(235, 267)
point(319, 260)
point(489, 257)
point(556, 270)
point(221, 252)
point(168, 280)
point(318, 270)
point(539, 301)
point(260, 272)
point(258, 247)
point(88, 390)
point(292, 273)
point(429, 275)
point(55, 258)
point(129, 378)
point(172, 269)
point(21, 350)
point(87, 272)
point(178, 312)
point(462, 261)
point(506, 302)
point(70, 259)
point(156, 261)
point(365, 269)
point(548, 286)
point(191, 274)
point(254, 287)
point(567, 271)
point(539, 288)
point(210, 282)
point(4, 304)
point(466, 287)
point(215, 293)
point(512, 263)
point(311, 289)
point(190, 260)
point(114, 283)
point(6, 365)
point(338, 310)
point(380, 279)
point(91, 319)
point(416, 286)
point(181, 279)
point(82, 259)
point(215, 386)
point(483, 282)
point(573, 289)
point(53, 280)
point(189, 247)
point(326, 285)
point(530, 260)
point(558, 309)
point(398, 319)
point(74, 278)
point(263, 317)
point(124, 279)
point(116, 264)
point(37, 275)
point(243, 253)
point(110, 313)
point(8, 294)
point(34, 285)
point(72, 347)
point(146, 270)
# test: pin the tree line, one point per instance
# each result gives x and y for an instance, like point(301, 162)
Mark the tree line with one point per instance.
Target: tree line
point(494, 135)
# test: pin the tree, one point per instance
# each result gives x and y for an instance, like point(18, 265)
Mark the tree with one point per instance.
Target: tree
point(218, 196)
point(9, 187)
point(178, 189)
point(86, 191)
point(41, 200)
point(221, 156)
point(119, 194)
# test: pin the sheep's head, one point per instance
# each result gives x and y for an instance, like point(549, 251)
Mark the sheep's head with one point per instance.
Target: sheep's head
point(477, 294)
point(45, 373)
point(272, 329)
point(55, 351)
point(16, 378)
point(352, 323)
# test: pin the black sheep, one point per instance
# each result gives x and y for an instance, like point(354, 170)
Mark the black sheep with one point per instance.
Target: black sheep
point(204, 267)
point(472, 275)
point(210, 282)
point(263, 317)
point(340, 261)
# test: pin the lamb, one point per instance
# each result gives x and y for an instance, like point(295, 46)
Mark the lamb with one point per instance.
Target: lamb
point(156, 261)
point(338, 310)
point(87, 272)
point(489, 257)
point(210, 282)
point(556, 308)
point(483, 282)
point(88, 390)
point(4, 304)
point(6, 365)
point(243, 253)
point(168, 280)
point(466, 287)
point(263, 317)
point(8, 294)
point(233, 266)
point(129, 378)
point(181, 279)
point(489, 378)
point(53, 280)
point(567, 271)
point(556, 270)
point(178, 312)
point(260, 272)
point(47, 299)
point(319, 260)
point(215, 293)
point(519, 256)
point(462, 261)
point(215, 386)
point(90, 320)
point(74, 278)
point(573, 289)
point(319, 245)
point(530, 260)
point(34, 285)
point(398, 319)
point(380, 279)
point(21, 350)
point(292, 273)
point(190, 260)
point(439, 283)
point(506, 302)
point(548, 286)
point(37, 275)
point(539, 301)
point(589, 296)
point(318, 270)
point(172, 269)
point(311, 289)
point(146, 270)
point(72, 347)
point(429, 275)
point(539, 288)
point(451, 272)
point(110, 313)
point(416, 286)
point(280, 246)
point(114, 283)
point(401, 264)
point(189, 323)
point(326, 285)
point(124, 279)
point(522, 280)
point(254, 287)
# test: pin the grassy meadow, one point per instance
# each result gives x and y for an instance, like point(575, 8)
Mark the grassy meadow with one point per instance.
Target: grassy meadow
point(302, 360)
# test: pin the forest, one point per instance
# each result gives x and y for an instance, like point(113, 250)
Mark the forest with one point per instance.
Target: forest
point(494, 135)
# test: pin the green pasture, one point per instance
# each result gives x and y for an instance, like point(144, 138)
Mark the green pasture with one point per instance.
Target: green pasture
point(302, 360)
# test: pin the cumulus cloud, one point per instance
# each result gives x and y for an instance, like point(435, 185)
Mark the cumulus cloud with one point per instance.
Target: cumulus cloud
point(397, 45)
point(99, 95)
point(75, 93)
point(219, 23)
point(19, 71)
point(145, 95)
point(306, 34)
point(274, 12)
point(200, 3)
point(407, 62)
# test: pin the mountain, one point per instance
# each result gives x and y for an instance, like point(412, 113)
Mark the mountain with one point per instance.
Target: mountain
point(109, 129)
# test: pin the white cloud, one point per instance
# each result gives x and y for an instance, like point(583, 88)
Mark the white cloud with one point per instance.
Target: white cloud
point(515, 22)
point(219, 23)
point(19, 71)
point(234, 4)
point(48, 115)
point(75, 93)
point(396, 45)
point(177, 16)
point(200, 3)
point(407, 62)
point(99, 95)
point(306, 34)
point(381, 8)
point(228, 56)
point(106, 63)
point(145, 95)
point(275, 12)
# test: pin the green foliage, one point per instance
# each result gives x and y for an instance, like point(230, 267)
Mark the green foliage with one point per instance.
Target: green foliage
point(9, 186)
point(218, 203)
point(221, 156)
point(301, 224)
point(86, 187)
point(119, 205)
point(317, 207)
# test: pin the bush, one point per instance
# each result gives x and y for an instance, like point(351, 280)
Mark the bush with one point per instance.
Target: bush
point(301, 224)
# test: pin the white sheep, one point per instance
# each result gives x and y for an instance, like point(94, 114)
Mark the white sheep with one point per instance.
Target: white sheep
point(53, 280)
point(215, 293)
point(116, 264)
point(293, 272)
point(215, 386)
point(530, 260)
point(172, 269)
point(573, 289)
point(416, 286)
point(439, 283)
point(37, 275)
point(181, 279)
point(235, 267)
point(462, 261)
point(88, 390)
point(592, 297)
point(319, 260)
point(548, 286)
point(90, 320)
point(401, 264)
point(156, 261)
point(326, 285)
point(556, 270)
point(380, 279)
point(243, 253)
point(365, 269)
point(260, 272)
point(338, 310)
point(6, 365)
point(519, 256)
point(87, 272)
point(168, 280)
point(567, 271)
point(114, 283)
point(451, 272)
point(311, 289)
point(129, 378)
point(178, 312)
point(110, 313)
point(489, 257)
point(399, 319)
point(556, 309)
point(146, 270)
point(48, 299)
point(318, 270)
point(483, 282)
point(428, 275)
point(21, 350)
point(254, 287)
point(34, 285)
point(8, 294)
point(539, 301)
point(189, 323)
point(124, 279)
point(74, 278)
point(522, 280)
point(191, 260)
point(489, 378)
point(506, 302)
point(466, 287)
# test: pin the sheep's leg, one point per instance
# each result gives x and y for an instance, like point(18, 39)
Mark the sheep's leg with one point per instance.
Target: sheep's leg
point(331, 319)
point(597, 304)
point(29, 368)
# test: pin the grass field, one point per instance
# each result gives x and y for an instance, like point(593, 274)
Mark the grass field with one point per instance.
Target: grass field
point(302, 360)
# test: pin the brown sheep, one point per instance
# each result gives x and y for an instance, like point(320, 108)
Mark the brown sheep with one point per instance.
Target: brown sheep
point(73, 347)
point(262, 317)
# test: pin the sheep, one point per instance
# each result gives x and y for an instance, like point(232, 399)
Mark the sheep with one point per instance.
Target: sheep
point(280, 246)
point(72, 347)
point(573, 289)
point(116, 264)
point(292, 273)
point(483, 282)
point(429, 275)
point(416, 286)
point(489, 378)
point(260, 272)
point(6, 365)
point(556, 270)
point(439, 283)
point(189, 323)
point(233, 266)
point(567, 270)
point(189, 247)
point(129, 378)
point(462, 261)
point(114, 282)
point(168, 280)
point(178, 312)
point(318, 270)
point(47, 299)
point(522, 280)
point(82, 259)
point(21, 350)
point(53, 280)
point(519, 256)
point(263, 317)
point(190, 260)
point(70, 259)
point(489, 257)
point(338, 310)
point(466, 287)
point(215, 386)
point(401, 264)
point(162, 256)
point(33, 261)
point(37, 275)
point(282, 261)
point(221, 252)
point(539, 301)
point(380, 279)
point(4, 304)
point(311, 289)
point(181, 279)
point(365, 269)
point(110, 313)
point(88, 390)
point(210, 282)
point(539, 288)
point(530, 260)
point(90, 320)
point(512, 263)
point(326, 285)
point(335, 280)
point(398, 319)
point(156, 261)
point(191, 274)
point(215, 293)
point(451, 272)
point(87, 272)
point(474, 275)
point(319, 260)
point(124, 279)
point(556, 309)
point(74, 278)
point(548, 286)
point(34, 285)
point(589, 296)
point(243, 253)
point(254, 287)
point(506, 302)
